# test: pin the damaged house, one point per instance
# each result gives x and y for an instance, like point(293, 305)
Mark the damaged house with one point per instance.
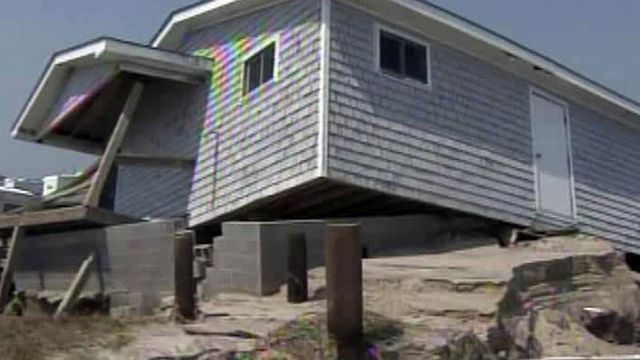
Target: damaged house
point(242, 115)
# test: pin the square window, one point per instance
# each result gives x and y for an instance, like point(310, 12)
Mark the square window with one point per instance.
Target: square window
point(403, 58)
point(259, 68)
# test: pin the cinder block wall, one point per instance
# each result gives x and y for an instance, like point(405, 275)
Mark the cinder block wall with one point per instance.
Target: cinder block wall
point(251, 257)
point(134, 261)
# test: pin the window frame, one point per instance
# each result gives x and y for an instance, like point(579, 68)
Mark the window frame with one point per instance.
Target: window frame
point(378, 29)
point(273, 40)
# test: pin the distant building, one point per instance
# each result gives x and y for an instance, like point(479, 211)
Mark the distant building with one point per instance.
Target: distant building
point(12, 198)
point(54, 183)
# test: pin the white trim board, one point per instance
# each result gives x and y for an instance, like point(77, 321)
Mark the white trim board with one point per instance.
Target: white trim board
point(379, 27)
point(323, 98)
point(274, 40)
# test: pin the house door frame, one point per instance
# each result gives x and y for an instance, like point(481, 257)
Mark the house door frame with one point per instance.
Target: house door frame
point(533, 93)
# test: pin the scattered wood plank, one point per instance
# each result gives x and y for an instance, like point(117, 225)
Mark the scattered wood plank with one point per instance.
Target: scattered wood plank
point(203, 330)
point(76, 288)
point(106, 162)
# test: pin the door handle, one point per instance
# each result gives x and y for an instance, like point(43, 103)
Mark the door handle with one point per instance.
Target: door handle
point(538, 156)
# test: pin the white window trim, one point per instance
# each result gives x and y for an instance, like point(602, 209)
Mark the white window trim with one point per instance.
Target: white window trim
point(377, 28)
point(273, 39)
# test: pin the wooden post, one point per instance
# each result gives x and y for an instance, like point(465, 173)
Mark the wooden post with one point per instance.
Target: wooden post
point(185, 286)
point(297, 289)
point(10, 262)
point(507, 235)
point(79, 282)
point(106, 162)
point(344, 290)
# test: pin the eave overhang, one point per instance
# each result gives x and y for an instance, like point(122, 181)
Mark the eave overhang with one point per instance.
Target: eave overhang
point(124, 58)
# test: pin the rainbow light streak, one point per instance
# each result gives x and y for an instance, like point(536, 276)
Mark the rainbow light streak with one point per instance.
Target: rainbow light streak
point(226, 83)
point(72, 102)
point(225, 98)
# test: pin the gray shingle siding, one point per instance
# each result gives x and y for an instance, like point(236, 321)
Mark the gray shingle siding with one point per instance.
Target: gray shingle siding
point(466, 142)
point(165, 124)
point(257, 145)
point(459, 144)
point(607, 176)
point(153, 191)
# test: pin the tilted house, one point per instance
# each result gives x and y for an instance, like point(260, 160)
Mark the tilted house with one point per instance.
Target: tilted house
point(255, 109)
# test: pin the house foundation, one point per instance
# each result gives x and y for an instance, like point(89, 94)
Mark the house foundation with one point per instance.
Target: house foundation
point(251, 257)
point(134, 263)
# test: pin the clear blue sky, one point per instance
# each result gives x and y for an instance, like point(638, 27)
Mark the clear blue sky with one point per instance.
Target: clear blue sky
point(599, 38)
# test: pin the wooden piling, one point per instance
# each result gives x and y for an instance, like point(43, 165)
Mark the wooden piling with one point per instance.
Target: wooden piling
point(344, 290)
point(185, 285)
point(297, 285)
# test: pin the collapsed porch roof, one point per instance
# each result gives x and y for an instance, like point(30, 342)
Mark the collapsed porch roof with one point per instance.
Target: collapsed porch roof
point(123, 60)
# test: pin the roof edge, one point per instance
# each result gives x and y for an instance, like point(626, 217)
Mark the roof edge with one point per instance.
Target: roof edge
point(176, 25)
point(527, 54)
point(107, 49)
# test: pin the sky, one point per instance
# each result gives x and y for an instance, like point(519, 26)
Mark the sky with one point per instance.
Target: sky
point(598, 38)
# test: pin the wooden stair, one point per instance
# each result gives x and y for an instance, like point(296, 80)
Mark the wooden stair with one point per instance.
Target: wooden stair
point(9, 250)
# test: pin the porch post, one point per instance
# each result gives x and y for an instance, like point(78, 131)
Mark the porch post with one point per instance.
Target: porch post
point(106, 162)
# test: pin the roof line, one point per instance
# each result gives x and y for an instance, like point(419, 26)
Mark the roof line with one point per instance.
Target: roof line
point(169, 17)
point(509, 44)
point(468, 27)
point(55, 56)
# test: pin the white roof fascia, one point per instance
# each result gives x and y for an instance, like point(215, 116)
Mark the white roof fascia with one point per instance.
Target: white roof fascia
point(208, 13)
point(180, 22)
point(507, 45)
point(178, 19)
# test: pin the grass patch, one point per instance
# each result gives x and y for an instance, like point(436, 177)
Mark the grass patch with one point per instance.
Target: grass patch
point(306, 337)
point(37, 337)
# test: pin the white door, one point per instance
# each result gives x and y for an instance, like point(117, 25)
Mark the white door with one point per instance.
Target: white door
point(551, 156)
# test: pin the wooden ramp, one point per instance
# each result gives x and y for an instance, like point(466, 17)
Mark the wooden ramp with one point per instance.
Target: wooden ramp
point(62, 219)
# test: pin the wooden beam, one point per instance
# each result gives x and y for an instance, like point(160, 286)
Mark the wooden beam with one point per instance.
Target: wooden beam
point(9, 264)
point(93, 196)
point(76, 288)
point(159, 73)
point(64, 215)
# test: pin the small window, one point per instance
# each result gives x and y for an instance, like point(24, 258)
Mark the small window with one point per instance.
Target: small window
point(403, 58)
point(259, 68)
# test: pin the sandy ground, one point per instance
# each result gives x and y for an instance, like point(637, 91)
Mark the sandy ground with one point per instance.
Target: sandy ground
point(432, 293)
